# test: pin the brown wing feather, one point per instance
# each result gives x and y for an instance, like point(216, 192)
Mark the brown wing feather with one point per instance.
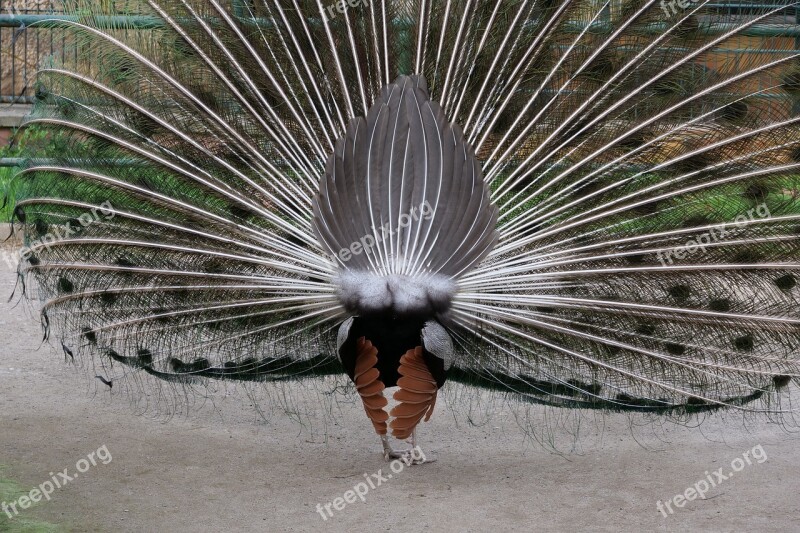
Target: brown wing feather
point(417, 394)
point(369, 386)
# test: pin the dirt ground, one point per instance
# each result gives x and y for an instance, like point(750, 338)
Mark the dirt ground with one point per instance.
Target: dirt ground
point(222, 468)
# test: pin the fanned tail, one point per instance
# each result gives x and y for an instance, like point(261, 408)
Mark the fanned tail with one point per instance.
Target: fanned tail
point(644, 173)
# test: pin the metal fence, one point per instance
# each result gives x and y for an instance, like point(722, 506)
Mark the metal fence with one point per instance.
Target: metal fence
point(23, 45)
point(21, 49)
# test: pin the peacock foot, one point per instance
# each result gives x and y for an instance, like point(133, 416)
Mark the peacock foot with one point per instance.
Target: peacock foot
point(412, 456)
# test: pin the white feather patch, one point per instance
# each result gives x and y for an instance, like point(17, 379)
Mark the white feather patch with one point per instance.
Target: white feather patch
point(344, 333)
point(438, 342)
point(368, 293)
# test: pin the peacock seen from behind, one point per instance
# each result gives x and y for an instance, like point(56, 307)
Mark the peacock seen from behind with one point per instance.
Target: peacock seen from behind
point(580, 204)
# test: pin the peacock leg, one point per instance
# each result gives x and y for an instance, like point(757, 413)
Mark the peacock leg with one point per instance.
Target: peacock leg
point(388, 452)
point(415, 455)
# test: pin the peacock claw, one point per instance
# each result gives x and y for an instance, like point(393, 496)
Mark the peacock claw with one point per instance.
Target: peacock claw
point(412, 456)
point(416, 456)
point(409, 457)
point(392, 454)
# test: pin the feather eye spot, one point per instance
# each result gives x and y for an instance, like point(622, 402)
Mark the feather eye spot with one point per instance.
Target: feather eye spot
point(748, 257)
point(734, 112)
point(181, 294)
point(720, 305)
point(73, 223)
point(745, 343)
point(696, 221)
point(108, 298)
point(680, 292)
point(19, 214)
point(41, 227)
point(42, 92)
point(781, 381)
point(613, 350)
point(580, 239)
point(90, 335)
point(646, 329)
point(649, 208)
point(65, 285)
point(675, 348)
point(239, 212)
point(757, 192)
point(636, 259)
point(124, 262)
point(584, 189)
point(633, 141)
point(786, 283)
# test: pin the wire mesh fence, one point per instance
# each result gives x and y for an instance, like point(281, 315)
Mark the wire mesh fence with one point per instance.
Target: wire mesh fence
point(23, 43)
point(22, 47)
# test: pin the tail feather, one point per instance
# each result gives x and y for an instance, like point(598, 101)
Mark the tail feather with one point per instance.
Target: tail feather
point(386, 210)
point(406, 197)
point(645, 178)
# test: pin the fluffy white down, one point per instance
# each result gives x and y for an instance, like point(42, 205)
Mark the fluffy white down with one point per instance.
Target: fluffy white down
point(370, 293)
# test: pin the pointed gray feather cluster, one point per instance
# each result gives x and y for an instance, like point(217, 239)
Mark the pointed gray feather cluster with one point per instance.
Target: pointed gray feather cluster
point(403, 208)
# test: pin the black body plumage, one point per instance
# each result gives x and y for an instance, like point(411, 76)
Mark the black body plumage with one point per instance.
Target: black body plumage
point(393, 337)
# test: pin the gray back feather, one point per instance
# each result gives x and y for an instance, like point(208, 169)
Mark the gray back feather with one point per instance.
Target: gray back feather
point(403, 200)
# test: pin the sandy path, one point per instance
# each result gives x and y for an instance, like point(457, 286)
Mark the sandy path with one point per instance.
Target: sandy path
point(221, 469)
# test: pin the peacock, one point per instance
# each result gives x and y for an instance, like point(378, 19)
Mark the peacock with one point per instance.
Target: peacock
point(576, 203)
